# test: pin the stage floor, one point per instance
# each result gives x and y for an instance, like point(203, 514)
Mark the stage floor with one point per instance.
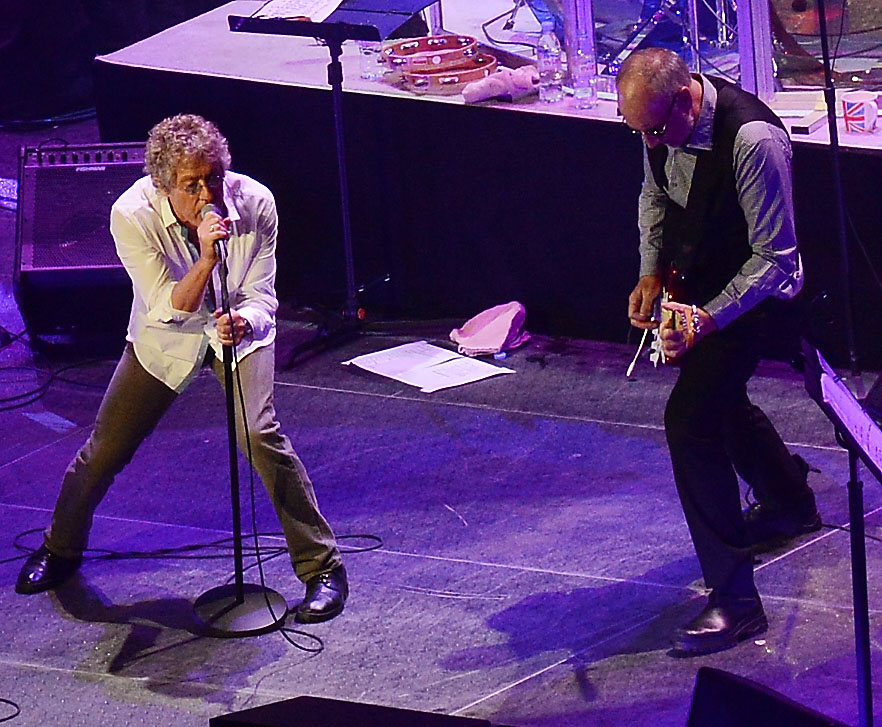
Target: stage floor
point(534, 557)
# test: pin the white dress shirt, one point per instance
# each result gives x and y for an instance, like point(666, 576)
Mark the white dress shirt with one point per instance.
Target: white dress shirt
point(171, 344)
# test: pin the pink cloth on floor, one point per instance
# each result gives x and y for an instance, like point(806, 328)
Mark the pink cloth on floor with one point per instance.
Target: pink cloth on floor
point(496, 329)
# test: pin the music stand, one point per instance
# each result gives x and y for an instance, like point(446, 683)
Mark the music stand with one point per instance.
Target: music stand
point(372, 20)
point(862, 437)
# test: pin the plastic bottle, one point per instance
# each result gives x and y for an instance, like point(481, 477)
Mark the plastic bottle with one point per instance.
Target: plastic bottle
point(548, 57)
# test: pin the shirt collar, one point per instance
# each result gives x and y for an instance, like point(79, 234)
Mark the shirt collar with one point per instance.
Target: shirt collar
point(702, 134)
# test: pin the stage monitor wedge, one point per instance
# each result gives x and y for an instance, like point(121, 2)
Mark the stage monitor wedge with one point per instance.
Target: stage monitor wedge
point(321, 712)
point(722, 699)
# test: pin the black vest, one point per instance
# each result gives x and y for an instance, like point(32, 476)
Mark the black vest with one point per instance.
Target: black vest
point(707, 242)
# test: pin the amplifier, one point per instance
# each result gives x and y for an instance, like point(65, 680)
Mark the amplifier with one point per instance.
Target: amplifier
point(67, 276)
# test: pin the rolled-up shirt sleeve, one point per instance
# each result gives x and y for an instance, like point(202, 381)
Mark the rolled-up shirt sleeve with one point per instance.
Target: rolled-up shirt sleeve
point(255, 297)
point(146, 265)
point(762, 166)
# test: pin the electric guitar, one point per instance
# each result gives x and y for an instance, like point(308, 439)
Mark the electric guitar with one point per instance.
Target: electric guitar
point(672, 292)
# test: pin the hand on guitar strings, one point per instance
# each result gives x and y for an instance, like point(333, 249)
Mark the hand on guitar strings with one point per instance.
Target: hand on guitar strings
point(683, 328)
point(642, 302)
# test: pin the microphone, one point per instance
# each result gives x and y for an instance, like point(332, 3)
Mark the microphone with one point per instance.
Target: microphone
point(220, 247)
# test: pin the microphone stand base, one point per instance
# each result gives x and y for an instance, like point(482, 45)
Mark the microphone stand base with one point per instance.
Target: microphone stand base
point(221, 613)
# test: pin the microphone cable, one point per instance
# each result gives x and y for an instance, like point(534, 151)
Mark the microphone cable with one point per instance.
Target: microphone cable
point(249, 454)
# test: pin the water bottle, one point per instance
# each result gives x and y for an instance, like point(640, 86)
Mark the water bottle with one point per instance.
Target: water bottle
point(548, 57)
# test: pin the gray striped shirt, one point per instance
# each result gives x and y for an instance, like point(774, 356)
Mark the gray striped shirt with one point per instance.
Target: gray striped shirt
point(762, 157)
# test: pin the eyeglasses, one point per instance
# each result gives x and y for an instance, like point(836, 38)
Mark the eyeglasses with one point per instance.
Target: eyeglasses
point(212, 181)
point(656, 132)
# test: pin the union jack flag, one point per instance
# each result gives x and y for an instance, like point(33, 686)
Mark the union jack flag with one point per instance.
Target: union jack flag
point(858, 116)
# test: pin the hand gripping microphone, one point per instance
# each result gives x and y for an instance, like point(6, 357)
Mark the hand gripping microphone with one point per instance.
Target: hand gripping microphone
point(220, 247)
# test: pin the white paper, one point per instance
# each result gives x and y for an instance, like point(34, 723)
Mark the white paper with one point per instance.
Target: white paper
point(429, 367)
point(316, 10)
point(852, 415)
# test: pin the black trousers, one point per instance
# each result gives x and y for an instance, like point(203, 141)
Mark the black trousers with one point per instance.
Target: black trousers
point(714, 432)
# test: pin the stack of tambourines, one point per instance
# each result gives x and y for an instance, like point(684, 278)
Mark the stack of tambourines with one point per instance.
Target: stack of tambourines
point(437, 64)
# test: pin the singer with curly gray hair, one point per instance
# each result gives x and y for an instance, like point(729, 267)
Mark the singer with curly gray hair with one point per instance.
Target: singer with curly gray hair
point(170, 229)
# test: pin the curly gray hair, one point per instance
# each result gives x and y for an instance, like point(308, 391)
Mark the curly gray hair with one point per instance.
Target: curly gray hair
point(180, 139)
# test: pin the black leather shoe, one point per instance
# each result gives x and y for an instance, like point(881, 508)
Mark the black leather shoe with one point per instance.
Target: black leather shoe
point(326, 595)
point(724, 622)
point(769, 526)
point(44, 570)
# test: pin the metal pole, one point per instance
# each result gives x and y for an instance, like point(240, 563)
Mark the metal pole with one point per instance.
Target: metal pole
point(694, 50)
point(859, 592)
point(845, 278)
point(755, 48)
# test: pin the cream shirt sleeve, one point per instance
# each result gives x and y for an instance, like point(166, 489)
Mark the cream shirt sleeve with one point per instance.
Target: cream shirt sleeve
point(138, 245)
point(255, 297)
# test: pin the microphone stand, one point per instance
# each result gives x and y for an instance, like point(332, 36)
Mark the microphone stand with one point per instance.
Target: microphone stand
point(236, 609)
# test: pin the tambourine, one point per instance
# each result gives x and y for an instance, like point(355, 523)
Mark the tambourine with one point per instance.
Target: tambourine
point(452, 80)
point(435, 52)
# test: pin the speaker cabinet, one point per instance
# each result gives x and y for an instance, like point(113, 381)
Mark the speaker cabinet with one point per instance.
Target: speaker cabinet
point(320, 712)
point(721, 699)
point(67, 278)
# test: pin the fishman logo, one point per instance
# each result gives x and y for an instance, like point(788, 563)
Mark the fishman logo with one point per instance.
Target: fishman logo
point(91, 169)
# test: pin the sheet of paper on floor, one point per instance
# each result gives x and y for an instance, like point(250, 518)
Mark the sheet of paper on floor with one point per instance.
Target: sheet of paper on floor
point(429, 367)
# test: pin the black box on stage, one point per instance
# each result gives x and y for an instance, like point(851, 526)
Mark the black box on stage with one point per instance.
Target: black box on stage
point(721, 699)
point(321, 712)
point(67, 278)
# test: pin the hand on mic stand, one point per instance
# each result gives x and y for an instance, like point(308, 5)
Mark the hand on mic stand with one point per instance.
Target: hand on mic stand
point(231, 327)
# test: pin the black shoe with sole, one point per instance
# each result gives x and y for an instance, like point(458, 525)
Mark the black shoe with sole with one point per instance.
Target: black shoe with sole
point(326, 595)
point(44, 570)
point(769, 527)
point(772, 525)
point(724, 622)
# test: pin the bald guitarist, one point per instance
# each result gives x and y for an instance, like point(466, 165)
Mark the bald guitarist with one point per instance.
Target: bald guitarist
point(716, 219)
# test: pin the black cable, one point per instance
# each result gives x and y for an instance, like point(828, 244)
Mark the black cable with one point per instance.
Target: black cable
point(184, 552)
point(845, 529)
point(19, 125)
point(839, 39)
point(10, 703)
point(58, 377)
point(17, 401)
point(489, 37)
point(852, 54)
point(253, 497)
point(46, 143)
point(875, 29)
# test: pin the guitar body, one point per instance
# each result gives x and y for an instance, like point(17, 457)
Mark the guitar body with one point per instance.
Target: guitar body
point(673, 290)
